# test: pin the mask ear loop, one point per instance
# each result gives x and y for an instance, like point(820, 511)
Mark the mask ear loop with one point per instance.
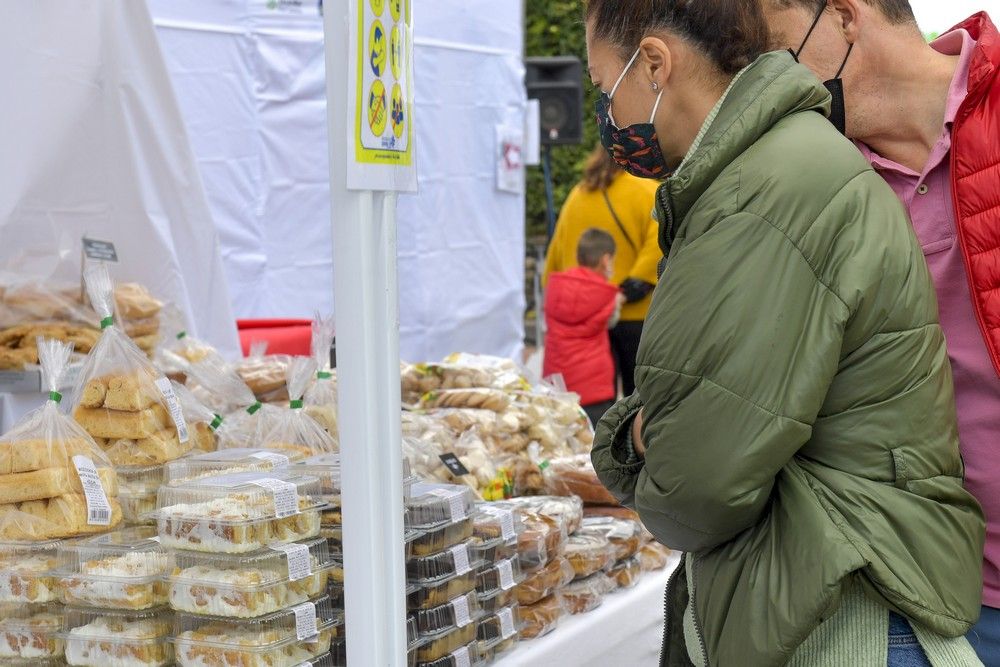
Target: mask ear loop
point(796, 54)
point(844, 64)
point(621, 77)
point(655, 107)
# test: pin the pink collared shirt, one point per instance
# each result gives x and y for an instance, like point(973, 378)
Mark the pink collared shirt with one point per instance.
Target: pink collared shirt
point(928, 198)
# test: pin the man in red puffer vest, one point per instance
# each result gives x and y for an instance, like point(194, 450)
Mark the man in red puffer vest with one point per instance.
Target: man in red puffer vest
point(581, 305)
point(927, 117)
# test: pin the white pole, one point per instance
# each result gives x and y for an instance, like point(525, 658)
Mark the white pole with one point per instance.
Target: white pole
point(367, 316)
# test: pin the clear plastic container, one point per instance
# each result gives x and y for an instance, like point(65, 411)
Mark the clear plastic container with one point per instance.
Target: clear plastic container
point(30, 632)
point(283, 639)
point(224, 461)
point(26, 571)
point(117, 638)
point(436, 647)
point(238, 512)
point(568, 509)
point(498, 628)
point(119, 570)
point(434, 505)
point(589, 553)
point(454, 614)
point(493, 603)
point(139, 480)
point(503, 575)
point(464, 656)
point(453, 561)
point(441, 537)
point(325, 660)
point(253, 584)
point(138, 510)
point(432, 595)
point(496, 530)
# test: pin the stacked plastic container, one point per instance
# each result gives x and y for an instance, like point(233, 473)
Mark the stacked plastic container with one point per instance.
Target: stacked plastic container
point(497, 531)
point(250, 574)
point(31, 616)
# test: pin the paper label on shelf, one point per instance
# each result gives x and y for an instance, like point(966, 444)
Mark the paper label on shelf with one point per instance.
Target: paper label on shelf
point(98, 507)
point(506, 617)
point(284, 494)
point(174, 407)
point(299, 562)
point(305, 621)
point(460, 555)
point(506, 571)
point(276, 459)
point(460, 657)
point(462, 615)
point(456, 502)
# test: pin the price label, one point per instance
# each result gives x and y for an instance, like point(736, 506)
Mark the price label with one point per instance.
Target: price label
point(98, 507)
point(461, 658)
point(284, 494)
point(276, 460)
point(299, 562)
point(460, 556)
point(305, 621)
point(506, 617)
point(456, 502)
point(506, 571)
point(174, 407)
point(102, 251)
point(506, 519)
point(453, 464)
point(462, 615)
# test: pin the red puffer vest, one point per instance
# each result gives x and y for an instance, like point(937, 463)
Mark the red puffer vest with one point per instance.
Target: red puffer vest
point(579, 304)
point(975, 174)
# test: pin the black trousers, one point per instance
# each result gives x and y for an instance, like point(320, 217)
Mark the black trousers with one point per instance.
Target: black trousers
point(624, 346)
point(596, 410)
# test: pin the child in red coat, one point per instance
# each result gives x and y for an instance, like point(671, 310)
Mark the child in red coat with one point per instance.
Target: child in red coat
point(580, 306)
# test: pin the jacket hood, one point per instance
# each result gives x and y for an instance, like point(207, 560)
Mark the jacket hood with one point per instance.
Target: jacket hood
point(578, 295)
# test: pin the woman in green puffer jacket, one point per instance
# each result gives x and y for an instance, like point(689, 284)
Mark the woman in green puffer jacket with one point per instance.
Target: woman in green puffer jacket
point(793, 426)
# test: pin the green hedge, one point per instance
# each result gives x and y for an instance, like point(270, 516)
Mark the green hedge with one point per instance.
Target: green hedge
point(555, 28)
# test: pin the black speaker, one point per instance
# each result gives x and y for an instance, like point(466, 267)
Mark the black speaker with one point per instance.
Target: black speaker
point(557, 84)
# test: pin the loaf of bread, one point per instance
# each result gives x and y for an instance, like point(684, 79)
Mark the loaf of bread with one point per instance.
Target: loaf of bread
point(117, 424)
point(52, 518)
point(36, 454)
point(50, 483)
point(129, 393)
point(135, 302)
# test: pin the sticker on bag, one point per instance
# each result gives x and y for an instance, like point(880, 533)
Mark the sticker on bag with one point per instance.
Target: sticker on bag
point(283, 494)
point(305, 621)
point(298, 558)
point(98, 507)
point(174, 408)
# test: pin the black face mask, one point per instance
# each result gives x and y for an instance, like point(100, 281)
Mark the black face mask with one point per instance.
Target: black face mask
point(838, 110)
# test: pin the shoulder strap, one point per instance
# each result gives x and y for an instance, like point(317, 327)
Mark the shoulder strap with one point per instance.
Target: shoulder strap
point(607, 200)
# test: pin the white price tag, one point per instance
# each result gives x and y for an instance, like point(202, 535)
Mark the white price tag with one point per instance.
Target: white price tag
point(286, 498)
point(174, 406)
point(506, 617)
point(299, 562)
point(98, 507)
point(277, 460)
point(462, 615)
point(461, 658)
point(506, 571)
point(460, 555)
point(456, 502)
point(506, 519)
point(305, 621)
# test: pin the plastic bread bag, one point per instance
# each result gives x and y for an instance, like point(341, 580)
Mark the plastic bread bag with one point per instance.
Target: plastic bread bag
point(321, 396)
point(202, 422)
point(246, 418)
point(575, 476)
point(504, 373)
point(461, 420)
point(120, 399)
point(496, 400)
point(421, 426)
point(294, 431)
point(420, 379)
point(264, 373)
point(55, 481)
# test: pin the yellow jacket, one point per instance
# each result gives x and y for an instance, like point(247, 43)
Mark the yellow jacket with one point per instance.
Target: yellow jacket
point(633, 200)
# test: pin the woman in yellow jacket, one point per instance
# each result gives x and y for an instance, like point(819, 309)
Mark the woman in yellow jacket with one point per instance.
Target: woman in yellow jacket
point(620, 204)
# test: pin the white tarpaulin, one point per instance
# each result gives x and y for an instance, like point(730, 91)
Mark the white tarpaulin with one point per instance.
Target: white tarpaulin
point(93, 143)
point(249, 76)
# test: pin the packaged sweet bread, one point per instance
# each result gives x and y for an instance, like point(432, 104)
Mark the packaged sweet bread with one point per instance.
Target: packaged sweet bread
point(117, 638)
point(541, 618)
point(224, 461)
point(420, 379)
point(626, 573)
point(654, 556)
point(18, 346)
point(587, 594)
point(625, 535)
point(55, 481)
point(568, 509)
point(265, 374)
point(29, 634)
point(202, 422)
point(589, 553)
point(294, 430)
point(496, 400)
point(120, 397)
point(249, 419)
point(321, 396)
point(542, 583)
point(575, 476)
point(504, 373)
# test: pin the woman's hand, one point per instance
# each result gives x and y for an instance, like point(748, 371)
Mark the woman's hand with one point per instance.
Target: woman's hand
point(637, 444)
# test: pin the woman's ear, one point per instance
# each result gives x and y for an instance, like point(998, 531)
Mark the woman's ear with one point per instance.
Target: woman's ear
point(655, 62)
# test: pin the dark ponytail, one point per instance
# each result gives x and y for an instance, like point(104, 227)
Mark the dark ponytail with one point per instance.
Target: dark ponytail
point(732, 33)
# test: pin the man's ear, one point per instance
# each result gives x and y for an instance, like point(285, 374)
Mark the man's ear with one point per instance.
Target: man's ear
point(850, 15)
point(655, 62)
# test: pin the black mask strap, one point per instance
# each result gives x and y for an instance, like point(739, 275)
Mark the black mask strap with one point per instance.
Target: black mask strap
point(805, 40)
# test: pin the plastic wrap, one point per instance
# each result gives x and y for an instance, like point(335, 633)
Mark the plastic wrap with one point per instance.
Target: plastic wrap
point(119, 570)
point(421, 379)
point(321, 396)
point(125, 404)
point(211, 464)
point(202, 422)
point(626, 573)
point(589, 553)
point(265, 374)
point(54, 479)
point(567, 509)
point(542, 583)
point(27, 572)
point(587, 594)
point(250, 585)
point(540, 618)
point(504, 373)
point(498, 627)
point(624, 535)
point(30, 634)
point(247, 419)
point(653, 556)
point(485, 399)
point(116, 638)
point(284, 638)
point(575, 476)
point(293, 430)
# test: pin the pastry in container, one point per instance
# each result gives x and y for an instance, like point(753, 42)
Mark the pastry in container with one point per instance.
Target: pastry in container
point(223, 461)
point(432, 505)
point(238, 512)
point(624, 535)
point(498, 600)
point(654, 556)
point(546, 581)
point(451, 562)
point(498, 628)
point(253, 584)
point(119, 570)
point(30, 632)
point(589, 553)
point(438, 538)
point(284, 638)
point(496, 530)
point(117, 638)
point(452, 615)
point(463, 656)
point(568, 509)
point(541, 618)
point(434, 594)
point(501, 576)
point(26, 571)
point(137, 492)
point(626, 573)
point(436, 647)
point(587, 594)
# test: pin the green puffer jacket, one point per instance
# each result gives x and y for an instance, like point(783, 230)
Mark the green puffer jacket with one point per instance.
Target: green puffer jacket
point(796, 392)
